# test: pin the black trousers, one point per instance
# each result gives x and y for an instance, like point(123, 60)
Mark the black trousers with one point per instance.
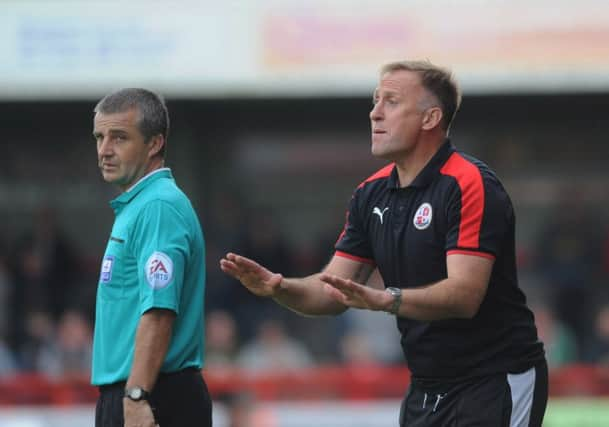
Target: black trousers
point(499, 400)
point(179, 399)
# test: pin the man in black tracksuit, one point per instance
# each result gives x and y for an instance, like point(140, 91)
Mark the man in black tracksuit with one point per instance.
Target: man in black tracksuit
point(439, 226)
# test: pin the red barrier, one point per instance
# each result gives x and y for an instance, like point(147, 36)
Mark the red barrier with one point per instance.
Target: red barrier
point(580, 380)
point(345, 383)
point(325, 383)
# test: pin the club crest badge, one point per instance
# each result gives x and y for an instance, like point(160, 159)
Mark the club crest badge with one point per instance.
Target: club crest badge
point(422, 217)
point(106, 269)
point(159, 270)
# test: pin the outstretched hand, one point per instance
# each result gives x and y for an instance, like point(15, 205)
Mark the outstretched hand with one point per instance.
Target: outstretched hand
point(356, 295)
point(256, 278)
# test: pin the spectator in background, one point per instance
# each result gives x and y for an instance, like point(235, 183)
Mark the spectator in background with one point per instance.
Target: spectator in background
point(264, 240)
point(69, 353)
point(440, 228)
point(8, 365)
point(597, 349)
point(569, 259)
point(221, 340)
point(46, 270)
point(39, 334)
point(227, 214)
point(273, 350)
point(356, 350)
point(559, 341)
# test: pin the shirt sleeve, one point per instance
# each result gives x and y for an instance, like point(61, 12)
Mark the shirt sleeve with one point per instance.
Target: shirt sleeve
point(353, 242)
point(480, 215)
point(162, 248)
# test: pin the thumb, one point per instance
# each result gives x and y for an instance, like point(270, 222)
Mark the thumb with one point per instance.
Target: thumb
point(277, 278)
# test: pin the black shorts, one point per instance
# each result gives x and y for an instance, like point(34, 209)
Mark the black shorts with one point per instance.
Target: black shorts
point(179, 399)
point(500, 400)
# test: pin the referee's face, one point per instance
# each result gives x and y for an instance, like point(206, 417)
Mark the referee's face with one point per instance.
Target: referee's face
point(396, 117)
point(122, 152)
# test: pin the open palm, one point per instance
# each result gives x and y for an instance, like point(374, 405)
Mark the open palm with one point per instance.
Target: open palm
point(256, 278)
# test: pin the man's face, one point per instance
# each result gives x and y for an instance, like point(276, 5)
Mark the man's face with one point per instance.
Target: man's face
point(397, 117)
point(122, 154)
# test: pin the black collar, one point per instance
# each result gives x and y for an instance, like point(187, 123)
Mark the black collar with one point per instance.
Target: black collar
point(429, 172)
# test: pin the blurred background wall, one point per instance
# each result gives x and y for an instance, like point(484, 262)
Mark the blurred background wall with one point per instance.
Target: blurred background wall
point(269, 102)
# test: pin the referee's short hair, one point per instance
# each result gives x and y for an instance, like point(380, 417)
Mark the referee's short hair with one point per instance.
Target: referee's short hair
point(153, 115)
point(437, 80)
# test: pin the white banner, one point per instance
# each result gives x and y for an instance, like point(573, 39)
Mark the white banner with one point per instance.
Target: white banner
point(66, 49)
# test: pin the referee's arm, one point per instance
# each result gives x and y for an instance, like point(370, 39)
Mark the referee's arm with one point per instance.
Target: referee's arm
point(151, 344)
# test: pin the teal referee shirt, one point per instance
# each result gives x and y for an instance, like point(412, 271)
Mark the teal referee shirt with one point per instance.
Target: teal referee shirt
point(155, 258)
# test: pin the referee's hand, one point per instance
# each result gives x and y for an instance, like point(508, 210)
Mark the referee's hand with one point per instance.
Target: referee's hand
point(256, 278)
point(138, 414)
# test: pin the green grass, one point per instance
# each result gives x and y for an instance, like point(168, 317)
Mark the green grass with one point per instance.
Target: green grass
point(574, 412)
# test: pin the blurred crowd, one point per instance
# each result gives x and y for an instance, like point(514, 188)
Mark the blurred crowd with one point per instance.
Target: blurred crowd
point(47, 297)
point(45, 311)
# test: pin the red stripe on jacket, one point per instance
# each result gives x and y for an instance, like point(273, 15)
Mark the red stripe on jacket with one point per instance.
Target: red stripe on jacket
point(354, 257)
point(469, 180)
point(382, 173)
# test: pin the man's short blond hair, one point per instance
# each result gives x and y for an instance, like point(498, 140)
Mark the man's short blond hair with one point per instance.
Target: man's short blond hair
point(437, 80)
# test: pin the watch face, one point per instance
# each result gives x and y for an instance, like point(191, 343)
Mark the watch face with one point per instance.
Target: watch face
point(135, 393)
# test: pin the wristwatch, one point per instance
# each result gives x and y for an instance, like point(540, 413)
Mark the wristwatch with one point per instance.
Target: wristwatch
point(136, 393)
point(396, 293)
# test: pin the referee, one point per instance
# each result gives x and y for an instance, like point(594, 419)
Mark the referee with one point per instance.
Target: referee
point(439, 227)
point(148, 340)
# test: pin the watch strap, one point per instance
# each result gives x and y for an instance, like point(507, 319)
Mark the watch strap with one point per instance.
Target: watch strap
point(397, 299)
point(136, 393)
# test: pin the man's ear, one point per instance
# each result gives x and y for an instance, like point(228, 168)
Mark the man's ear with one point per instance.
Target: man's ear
point(432, 118)
point(155, 144)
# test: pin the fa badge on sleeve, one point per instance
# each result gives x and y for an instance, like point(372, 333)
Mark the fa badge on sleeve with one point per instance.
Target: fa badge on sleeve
point(159, 270)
